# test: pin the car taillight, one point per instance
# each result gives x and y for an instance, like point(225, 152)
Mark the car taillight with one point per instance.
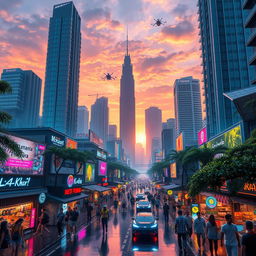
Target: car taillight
point(155, 239)
point(134, 239)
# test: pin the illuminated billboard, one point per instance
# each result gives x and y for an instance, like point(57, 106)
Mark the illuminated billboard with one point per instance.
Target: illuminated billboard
point(102, 169)
point(229, 139)
point(202, 136)
point(179, 142)
point(71, 144)
point(95, 139)
point(173, 170)
point(32, 162)
point(89, 172)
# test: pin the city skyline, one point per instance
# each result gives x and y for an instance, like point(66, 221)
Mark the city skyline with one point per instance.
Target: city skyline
point(160, 55)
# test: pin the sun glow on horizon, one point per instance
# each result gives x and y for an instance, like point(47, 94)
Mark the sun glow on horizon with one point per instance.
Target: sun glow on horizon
point(141, 138)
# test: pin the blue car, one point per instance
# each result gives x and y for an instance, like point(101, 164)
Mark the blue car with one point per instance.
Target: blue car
point(143, 206)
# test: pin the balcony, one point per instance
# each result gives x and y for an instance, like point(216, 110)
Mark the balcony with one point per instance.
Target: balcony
point(252, 39)
point(248, 4)
point(251, 19)
point(252, 60)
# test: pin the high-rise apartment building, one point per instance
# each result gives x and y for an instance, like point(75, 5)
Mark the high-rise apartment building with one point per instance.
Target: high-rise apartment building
point(127, 108)
point(112, 132)
point(188, 110)
point(62, 69)
point(82, 121)
point(153, 126)
point(100, 118)
point(224, 59)
point(23, 104)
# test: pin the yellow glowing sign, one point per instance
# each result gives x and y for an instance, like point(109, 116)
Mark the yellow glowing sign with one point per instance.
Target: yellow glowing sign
point(195, 209)
point(169, 192)
point(187, 196)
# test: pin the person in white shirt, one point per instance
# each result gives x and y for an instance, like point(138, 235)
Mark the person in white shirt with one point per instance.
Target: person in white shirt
point(230, 232)
point(199, 229)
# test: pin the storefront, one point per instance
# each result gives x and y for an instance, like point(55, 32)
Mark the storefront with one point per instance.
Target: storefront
point(21, 184)
point(96, 193)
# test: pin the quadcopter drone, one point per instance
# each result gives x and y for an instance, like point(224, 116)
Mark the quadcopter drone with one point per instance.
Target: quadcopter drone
point(109, 77)
point(158, 22)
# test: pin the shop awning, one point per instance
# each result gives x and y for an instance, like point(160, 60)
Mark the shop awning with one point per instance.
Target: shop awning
point(96, 188)
point(67, 200)
point(22, 193)
point(170, 186)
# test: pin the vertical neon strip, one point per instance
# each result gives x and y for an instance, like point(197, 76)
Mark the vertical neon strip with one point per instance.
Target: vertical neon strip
point(33, 217)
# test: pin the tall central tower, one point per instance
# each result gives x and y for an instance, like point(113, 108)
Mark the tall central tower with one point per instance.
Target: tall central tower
point(127, 107)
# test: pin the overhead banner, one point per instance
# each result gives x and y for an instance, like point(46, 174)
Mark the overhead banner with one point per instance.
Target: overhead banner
point(32, 162)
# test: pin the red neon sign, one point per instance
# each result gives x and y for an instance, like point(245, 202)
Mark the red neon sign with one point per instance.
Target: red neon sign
point(72, 191)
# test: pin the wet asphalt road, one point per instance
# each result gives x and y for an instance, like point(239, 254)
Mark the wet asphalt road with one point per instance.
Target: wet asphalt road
point(90, 240)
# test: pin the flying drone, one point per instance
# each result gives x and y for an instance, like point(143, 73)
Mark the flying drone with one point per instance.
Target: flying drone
point(158, 22)
point(109, 77)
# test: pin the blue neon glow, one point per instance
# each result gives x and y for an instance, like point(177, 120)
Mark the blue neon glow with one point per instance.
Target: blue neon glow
point(154, 249)
point(135, 225)
point(153, 226)
point(211, 202)
point(135, 249)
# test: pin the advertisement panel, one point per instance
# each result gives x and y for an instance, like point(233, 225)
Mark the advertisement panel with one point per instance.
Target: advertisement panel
point(89, 172)
point(95, 139)
point(202, 136)
point(229, 139)
point(55, 140)
point(32, 162)
point(71, 144)
point(179, 142)
point(66, 166)
point(102, 171)
point(173, 170)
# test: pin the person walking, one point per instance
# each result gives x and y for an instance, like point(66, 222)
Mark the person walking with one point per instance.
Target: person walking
point(67, 219)
point(60, 221)
point(189, 220)
point(104, 218)
point(212, 234)
point(181, 229)
point(199, 229)
point(230, 232)
point(17, 236)
point(249, 240)
point(89, 212)
point(43, 221)
point(5, 237)
point(166, 212)
point(157, 203)
point(73, 221)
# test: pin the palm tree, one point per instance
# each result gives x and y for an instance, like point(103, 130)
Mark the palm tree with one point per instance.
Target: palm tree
point(6, 144)
point(204, 155)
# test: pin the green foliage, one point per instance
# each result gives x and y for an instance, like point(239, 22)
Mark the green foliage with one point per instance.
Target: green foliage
point(237, 163)
point(112, 165)
point(5, 87)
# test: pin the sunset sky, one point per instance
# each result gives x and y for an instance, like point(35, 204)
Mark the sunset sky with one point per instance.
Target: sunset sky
point(159, 54)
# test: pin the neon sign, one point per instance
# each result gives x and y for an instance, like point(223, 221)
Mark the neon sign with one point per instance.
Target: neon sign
point(211, 202)
point(15, 182)
point(57, 141)
point(70, 181)
point(72, 191)
point(33, 218)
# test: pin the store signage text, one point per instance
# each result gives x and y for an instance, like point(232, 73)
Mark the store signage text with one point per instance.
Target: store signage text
point(250, 187)
point(73, 181)
point(72, 191)
point(15, 182)
point(57, 141)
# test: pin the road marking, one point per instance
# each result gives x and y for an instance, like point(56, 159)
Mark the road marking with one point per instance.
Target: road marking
point(126, 237)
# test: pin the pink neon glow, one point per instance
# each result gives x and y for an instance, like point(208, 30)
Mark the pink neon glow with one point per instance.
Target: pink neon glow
point(202, 136)
point(41, 147)
point(19, 163)
point(81, 234)
point(32, 218)
point(102, 168)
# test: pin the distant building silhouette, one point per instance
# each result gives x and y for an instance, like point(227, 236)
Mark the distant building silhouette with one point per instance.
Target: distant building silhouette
point(112, 132)
point(23, 104)
point(188, 110)
point(153, 126)
point(100, 118)
point(140, 154)
point(127, 108)
point(62, 69)
point(82, 121)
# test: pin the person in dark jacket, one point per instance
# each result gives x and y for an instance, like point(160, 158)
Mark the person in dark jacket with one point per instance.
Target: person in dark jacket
point(5, 237)
point(60, 221)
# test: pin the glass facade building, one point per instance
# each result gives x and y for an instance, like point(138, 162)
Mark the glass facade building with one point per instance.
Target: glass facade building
point(224, 59)
point(23, 104)
point(62, 69)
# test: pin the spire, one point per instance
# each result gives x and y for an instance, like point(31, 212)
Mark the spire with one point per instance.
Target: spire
point(127, 43)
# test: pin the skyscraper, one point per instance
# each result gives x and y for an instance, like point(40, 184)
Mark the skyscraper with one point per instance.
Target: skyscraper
point(188, 110)
point(224, 58)
point(153, 126)
point(127, 107)
point(112, 132)
point(23, 103)
point(62, 69)
point(82, 121)
point(100, 118)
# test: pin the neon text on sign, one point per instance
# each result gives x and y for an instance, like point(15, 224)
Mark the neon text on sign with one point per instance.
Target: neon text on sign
point(250, 187)
point(57, 141)
point(15, 182)
point(32, 218)
point(72, 191)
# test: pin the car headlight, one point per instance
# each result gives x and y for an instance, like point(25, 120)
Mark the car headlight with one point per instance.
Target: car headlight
point(153, 226)
point(135, 225)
